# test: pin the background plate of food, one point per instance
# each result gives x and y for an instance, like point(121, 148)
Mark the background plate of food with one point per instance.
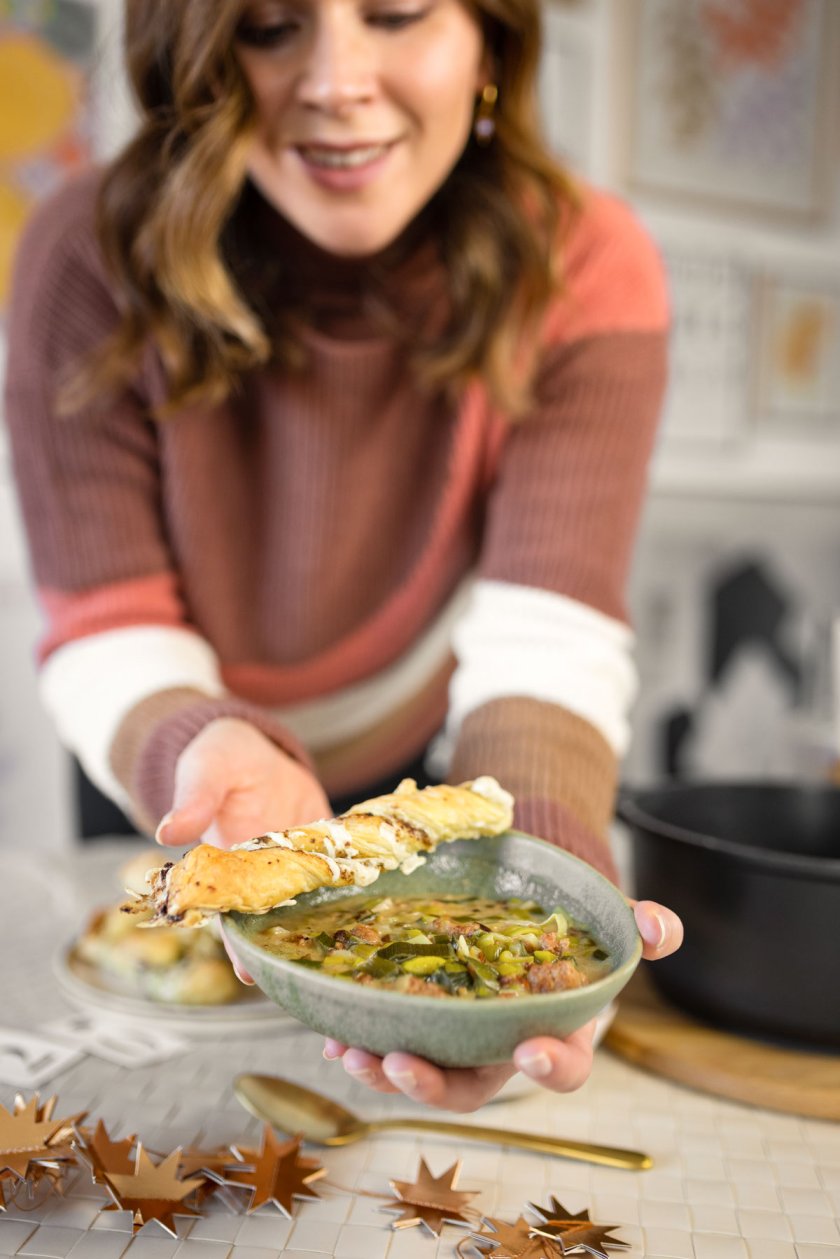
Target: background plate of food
point(182, 978)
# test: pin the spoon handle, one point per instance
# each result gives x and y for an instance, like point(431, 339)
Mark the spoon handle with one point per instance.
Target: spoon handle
point(605, 1155)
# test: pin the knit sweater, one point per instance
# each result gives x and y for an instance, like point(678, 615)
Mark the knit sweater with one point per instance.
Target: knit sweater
point(350, 564)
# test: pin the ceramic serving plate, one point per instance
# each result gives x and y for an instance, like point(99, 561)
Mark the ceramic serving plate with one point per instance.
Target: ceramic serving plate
point(89, 987)
point(447, 1031)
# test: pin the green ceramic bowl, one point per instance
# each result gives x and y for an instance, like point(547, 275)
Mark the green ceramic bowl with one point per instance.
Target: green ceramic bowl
point(455, 1033)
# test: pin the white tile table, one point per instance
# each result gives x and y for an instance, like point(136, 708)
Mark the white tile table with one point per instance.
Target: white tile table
point(730, 1181)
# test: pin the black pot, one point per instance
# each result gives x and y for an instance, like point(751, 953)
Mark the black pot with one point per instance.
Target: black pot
point(753, 870)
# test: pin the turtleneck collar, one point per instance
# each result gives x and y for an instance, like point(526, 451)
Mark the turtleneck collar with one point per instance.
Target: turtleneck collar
point(332, 292)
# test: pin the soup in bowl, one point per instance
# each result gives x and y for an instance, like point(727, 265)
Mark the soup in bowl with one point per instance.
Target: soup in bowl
point(488, 943)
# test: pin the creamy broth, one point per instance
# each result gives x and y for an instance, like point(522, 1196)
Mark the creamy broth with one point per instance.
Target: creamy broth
point(442, 946)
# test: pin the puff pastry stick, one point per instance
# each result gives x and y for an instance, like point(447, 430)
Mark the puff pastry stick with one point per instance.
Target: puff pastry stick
point(385, 833)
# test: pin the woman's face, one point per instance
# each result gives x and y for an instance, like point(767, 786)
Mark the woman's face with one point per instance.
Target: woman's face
point(363, 109)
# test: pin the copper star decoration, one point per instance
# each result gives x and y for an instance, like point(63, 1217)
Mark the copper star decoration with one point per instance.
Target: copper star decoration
point(11, 1187)
point(574, 1232)
point(431, 1200)
point(30, 1136)
point(104, 1156)
point(514, 1241)
point(276, 1173)
point(213, 1163)
point(152, 1192)
point(29, 1194)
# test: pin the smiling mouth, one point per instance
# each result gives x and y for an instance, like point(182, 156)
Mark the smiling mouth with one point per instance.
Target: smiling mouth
point(334, 158)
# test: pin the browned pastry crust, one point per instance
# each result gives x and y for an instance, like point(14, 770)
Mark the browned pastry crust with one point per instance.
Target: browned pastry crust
point(385, 833)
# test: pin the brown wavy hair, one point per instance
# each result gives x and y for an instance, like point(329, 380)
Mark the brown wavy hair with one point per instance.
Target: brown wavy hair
point(168, 204)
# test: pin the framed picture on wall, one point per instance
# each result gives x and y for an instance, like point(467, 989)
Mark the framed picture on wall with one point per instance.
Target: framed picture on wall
point(708, 376)
point(797, 361)
point(733, 105)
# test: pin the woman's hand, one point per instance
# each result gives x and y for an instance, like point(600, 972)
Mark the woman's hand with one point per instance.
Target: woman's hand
point(232, 783)
point(559, 1065)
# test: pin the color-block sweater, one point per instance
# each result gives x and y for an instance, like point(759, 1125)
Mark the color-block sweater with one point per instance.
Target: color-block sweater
point(355, 566)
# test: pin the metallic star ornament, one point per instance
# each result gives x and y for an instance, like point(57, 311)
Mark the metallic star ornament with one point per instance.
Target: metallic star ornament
point(29, 1194)
point(514, 1241)
point(431, 1200)
point(104, 1156)
point(30, 1137)
point(152, 1192)
point(574, 1232)
point(26, 1194)
point(8, 1183)
point(212, 1163)
point(276, 1172)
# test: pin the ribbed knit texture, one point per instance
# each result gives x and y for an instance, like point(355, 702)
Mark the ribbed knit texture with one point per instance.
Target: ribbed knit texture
point(560, 770)
point(591, 438)
point(314, 525)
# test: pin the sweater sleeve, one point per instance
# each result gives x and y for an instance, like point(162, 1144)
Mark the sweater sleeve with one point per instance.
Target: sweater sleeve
point(545, 676)
point(118, 638)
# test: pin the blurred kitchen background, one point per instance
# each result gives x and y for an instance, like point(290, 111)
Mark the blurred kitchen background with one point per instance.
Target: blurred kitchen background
point(720, 121)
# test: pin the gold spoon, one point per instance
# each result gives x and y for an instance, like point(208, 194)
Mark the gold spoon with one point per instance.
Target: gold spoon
point(295, 1109)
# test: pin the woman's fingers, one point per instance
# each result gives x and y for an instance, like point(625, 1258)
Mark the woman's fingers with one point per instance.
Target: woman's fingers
point(200, 789)
point(424, 1082)
point(450, 1089)
point(367, 1069)
point(186, 823)
point(241, 973)
point(559, 1065)
point(660, 928)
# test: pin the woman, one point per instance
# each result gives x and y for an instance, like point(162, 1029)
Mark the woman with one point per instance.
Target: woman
point(331, 372)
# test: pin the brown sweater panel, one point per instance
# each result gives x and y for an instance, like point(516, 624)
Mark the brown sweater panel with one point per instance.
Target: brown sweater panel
point(132, 734)
point(561, 771)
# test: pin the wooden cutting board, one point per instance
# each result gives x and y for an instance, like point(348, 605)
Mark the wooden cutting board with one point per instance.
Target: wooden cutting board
point(650, 1032)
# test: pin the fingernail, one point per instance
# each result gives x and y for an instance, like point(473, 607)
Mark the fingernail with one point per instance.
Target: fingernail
point(404, 1080)
point(652, 928)
point(242, 977)
point(538, 1065)
point(356, 1065)
point(162, 825)
point(327, 1053)
point(363, 1074)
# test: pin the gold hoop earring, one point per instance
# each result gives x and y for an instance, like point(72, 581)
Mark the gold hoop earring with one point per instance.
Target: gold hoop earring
point(484, 127)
